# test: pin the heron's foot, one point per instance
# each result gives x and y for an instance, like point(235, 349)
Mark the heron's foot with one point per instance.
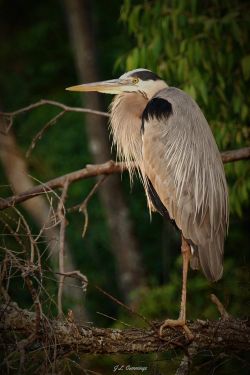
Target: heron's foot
point(176, 323)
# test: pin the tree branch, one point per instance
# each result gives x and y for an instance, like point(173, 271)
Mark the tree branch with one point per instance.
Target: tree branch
point(235, 155)
point(65, 108)
point(230, 335)
point(63, 223)
point(107, 168)
point(9, 116)
point(89, 171)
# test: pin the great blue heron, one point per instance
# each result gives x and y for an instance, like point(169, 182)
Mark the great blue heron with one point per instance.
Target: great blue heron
point(162, 131)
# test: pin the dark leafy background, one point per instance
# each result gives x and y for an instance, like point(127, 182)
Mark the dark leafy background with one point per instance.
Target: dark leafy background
point(201, 47)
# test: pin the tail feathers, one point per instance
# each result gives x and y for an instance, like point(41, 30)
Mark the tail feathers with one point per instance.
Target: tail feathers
point(211, 258)
point(194, 262)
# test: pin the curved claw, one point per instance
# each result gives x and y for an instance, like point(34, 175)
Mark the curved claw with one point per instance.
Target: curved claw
point(176, 323)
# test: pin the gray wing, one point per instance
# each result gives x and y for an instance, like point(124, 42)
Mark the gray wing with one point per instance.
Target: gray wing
point(183, 164)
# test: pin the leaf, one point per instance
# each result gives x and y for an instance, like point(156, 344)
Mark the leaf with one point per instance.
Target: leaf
point(244, 112)
point(204, 94)
point(245, 65)
point(129, 62)
point(190, 89)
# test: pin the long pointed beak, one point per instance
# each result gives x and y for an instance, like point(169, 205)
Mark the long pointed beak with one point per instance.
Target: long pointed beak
point(114, 86)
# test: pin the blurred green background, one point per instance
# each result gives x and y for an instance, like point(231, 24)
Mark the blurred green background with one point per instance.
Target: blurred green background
point(200, 47)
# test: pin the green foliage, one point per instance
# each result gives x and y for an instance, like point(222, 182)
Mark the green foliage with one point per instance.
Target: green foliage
point(198, 46)
point(204, 50)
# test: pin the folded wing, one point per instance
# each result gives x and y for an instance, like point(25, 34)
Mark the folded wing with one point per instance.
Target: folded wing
point(182, 163)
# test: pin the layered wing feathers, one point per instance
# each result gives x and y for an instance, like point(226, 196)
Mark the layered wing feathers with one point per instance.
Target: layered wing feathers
point(183, 163)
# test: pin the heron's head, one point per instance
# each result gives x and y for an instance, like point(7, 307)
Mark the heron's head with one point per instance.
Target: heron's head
point(141, 81)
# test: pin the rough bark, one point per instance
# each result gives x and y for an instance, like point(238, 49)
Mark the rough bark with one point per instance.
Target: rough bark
point(228, 335)
point(123, 241)
point(16, 171)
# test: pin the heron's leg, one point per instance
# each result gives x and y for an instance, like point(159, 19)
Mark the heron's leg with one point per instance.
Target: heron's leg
point(181, 321)
point(186, 253)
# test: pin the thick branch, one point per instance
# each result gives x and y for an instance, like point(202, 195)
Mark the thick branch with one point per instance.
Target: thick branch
point(89, 171)
point(95, 170)
point(235, 155)
point(225, 335)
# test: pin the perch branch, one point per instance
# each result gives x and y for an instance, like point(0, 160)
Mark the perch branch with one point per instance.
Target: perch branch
point(89, 171)
point(107, 168)
point(230, 335)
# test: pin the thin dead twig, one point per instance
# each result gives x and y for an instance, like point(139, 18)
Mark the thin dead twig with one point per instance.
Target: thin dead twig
point(39, 135)
point(26, 269)
point(132, 311)
point(92, 192)
point(54, 103)
point(79, 207)
point(78, 275)
point(63, 223)
point(223, 312)
point(82, 207)
point(10, 115)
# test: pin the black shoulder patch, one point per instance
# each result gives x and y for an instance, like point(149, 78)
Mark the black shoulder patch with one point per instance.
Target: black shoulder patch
point(157, 203)
point(145, 75)
point(156, 107)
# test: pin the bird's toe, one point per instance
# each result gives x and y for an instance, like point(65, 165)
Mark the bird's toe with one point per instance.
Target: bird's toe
point(172, 323)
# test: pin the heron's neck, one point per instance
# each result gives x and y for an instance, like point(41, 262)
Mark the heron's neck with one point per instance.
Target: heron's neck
point(126, 112)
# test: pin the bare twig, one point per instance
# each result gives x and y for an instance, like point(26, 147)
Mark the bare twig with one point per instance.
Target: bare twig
point(54, 103)
point(78, 275)
point(224, 314)
point(107, 168)
point(10, 115)
point(83, 207)
point(63, 223)
point(39, 135)
point(26, 269)
point(132, 311)
point(79, 207)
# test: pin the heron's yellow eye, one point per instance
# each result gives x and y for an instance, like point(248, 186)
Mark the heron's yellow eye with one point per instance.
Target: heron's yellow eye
point(135, 80)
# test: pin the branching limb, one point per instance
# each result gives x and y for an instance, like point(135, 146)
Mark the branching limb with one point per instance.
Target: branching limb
point(89, 171)
point(39, 135)
point(82, 207)
point(10, 115)
point(9, 118)
point(54, 103)
point(107, 168)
